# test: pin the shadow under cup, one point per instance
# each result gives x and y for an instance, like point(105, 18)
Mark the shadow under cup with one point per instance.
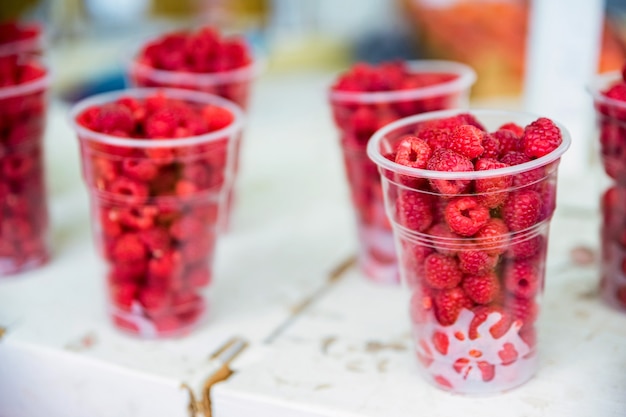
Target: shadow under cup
point(157, 236)
point(358, 115)
point(474, 331)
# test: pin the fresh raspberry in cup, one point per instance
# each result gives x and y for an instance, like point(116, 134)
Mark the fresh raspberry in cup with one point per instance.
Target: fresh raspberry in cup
point(480, 209)
point(23, 216)
point(367, 97)
point(20, 38)
point(157, 163)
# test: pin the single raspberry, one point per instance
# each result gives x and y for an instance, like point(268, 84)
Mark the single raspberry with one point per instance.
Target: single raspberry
point(525, 246)
point(139, 169)
point(137, 217)
point(482, 289)
point(123, 295)
point(523, 179)
point(198, 173)
point(109, 223)
point(413, 152)
point(521, 278)
point(414, 210)
point(493, 238)
point(217, 117)
point(435, 138)
point(521, 210)
point(508, 354)
point(113, 118)
point(475, 261)
point(522, 309)
point(449, 303)
point(154, 300)
point(186, 227)
point(164, 268)
point(466, 140)
point(518, 130)
point(493, 191)
point(166, 324)
point(487, 370)
point(491, 145)
point(18, 167)
point(541, 137)
point(449, 161)
point(133, 191)
point(444, 240)
point(129, 248)
point(466, 216)
point(508, 140)
point(498, 329)
point(441, 342)
point(442, 272)
point(127, 271)
point(157, 240)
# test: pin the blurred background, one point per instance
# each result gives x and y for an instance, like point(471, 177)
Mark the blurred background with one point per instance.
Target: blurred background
point(90, 40)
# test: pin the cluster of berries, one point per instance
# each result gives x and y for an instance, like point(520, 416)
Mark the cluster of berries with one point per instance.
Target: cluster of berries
point(23, 213)
point(188, 59)
point(156, 207)
point(478, 243)
point(19, 38)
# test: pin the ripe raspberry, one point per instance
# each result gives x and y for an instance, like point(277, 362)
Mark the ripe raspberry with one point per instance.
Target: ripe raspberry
point(476, 262)
point(129, 248)
point(493, 238)
point(413, 152)
point(414, 210)
point(524, 247)
point(541, 137)
point(164, 269)
point(521, 278)
point(123, 295)
point(435, 138)
point(466, 140)
point(444, 240)
point(508, 354)
point(492, 190)
point(449, 161)
point(137, 217)
point(134, 191)
point(529, 336)
point(139, 169)
point(491, 145)
point(157, 240)
point(508, 140)
point(154, 300)
point(487, 370)
point(127, 271)
point(441, 342)
point(523, 309)
point(482, 289)
point(199, 248)
point(113, 118)
point(449, 123)
point(186, 227)
point(217, 117)
point(466, 216)
point(449, 303)
point(442, 272)
point(521, 210)
point(518, 130)
point(523, 179)
point(497, 330)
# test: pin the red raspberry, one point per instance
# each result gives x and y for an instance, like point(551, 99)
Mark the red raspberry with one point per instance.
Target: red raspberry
point(137, 217)
point(199, 248)
point(442, 272)
point(466, 140)
point(139, 169)
point(493, 238)
point(525, 246)
point(541, 137)
point(527, 178)
point(413, 152)
point(523, 309)
point(521, 278)
point(217, 117)
point(134, 191)
point(449, 161)
point(113, 118)
point(414, 210)
point(435, 138)
point(444, 240)
point(123, 295)
point(127, 272)
point(452, 122)
point(497, 330)
point(104, 169)
point(109, 223)
point(518, 130)
point(482, 289)
point(449, 303)
point(129, 248)
point(441, 342)
point(492, 190)
point(186, 228)
point(198, 173)
point(17, 167)
point(157, 240)
point(154, 300)
point(166, 324)
point(487, 370)
point(165, 268)
point(466, 216)
point(491, 145)
point(199, 277)
point(508, 354)
point(476, 262)
point(508, 140)
point(521, 210)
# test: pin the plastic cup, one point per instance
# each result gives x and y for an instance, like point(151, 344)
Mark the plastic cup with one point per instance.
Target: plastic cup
point(376, 253)
point(157, 236)
point(234, 85)
point(467, 339)
point(611, 123)
point(24, 216)
point(31, 43)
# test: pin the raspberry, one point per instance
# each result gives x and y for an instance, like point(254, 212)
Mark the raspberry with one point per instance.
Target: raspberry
point(139, 169)
point(497, 330)
point(521, 210)
point(522, 309)
point(541, 137)
point(113, 118)
point(134, 191)
point(442, 272)
point(466, 140)
point(199, 277)
point(449, 161)
point(493, 238)
point(165, 267)
point(435, 138)
point(186, 228)
point(198, 173)
point(413, 152)
point(491, 145)
point(527, 178)
point(487, 370)
point(154, 300)
point(127, 272)
point(508, 140)
point(492, 190)
point(123, 295)
point(157, 240)
point(199, 248)
point(444, 240)
point(518, 130)
point(129, 248)
point(414, 210)
point(508, 354)
point(476, 262)
point(441, 342)
point(217, 117)
point(466, 216)
point(137, 217)
point(449, 303)
point(482, 289)
point(525, 246)
point(521, 278)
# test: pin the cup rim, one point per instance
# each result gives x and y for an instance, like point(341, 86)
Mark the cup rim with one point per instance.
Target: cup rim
point(140, 93)
point(600, 83)
point(466, 78)
point(377, 157)
point(29, 87)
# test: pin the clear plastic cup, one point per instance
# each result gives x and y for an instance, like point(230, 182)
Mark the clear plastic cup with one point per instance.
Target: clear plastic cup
point(24, 237)
point(611, 123)
point(157, 235)
point(474, 296)
point(234, 85)
point(376, 253)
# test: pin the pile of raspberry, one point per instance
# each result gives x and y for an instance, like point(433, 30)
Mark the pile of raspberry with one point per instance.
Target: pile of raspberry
point(156, 208)
point(612, 117)
point(202, 52)
point(475, 244)
point(23, 214)
point(12, 32)
point(358, 120)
